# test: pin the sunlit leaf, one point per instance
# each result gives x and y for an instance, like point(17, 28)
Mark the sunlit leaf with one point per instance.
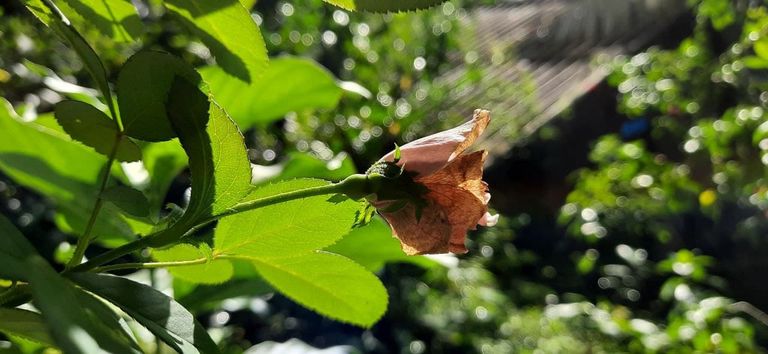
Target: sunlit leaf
point(329, 284)
point(92, 127)
point(114, 19)
point(160, 314)
point(217, 155)
point(289, 84)
point(288, 228)
point(212, 272)
point(228, 30)
point(373, 245)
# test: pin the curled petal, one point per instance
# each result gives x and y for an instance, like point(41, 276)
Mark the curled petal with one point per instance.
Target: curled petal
point(488, 220)
point(431, 153)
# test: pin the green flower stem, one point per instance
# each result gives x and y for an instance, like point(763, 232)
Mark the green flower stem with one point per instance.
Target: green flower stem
point(150, 265)
point(87, 237)
point(355, 186)
point(15, 296)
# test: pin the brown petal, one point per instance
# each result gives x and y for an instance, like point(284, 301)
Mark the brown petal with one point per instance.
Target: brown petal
point(458, 189)
point(456, 201)
point(430, 234)
point(431, 153)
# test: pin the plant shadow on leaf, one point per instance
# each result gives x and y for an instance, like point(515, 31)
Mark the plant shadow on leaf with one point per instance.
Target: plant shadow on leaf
point(109, 26)
point(74, 206)
point(225, 58)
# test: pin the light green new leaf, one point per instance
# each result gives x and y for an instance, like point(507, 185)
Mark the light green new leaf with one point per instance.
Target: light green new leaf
point(128, 199)
point(385, 5)
point(51, 164)
point(25, 324)
point(228, 30)
point(114, 19)
point(92, 127)
point(218, 159)
point(160, 314)
point(329, 284)
point(63, 28)
point(142, 92)
point(373, 245)
point(289, 84)
point(212, 272)
point(285, 229)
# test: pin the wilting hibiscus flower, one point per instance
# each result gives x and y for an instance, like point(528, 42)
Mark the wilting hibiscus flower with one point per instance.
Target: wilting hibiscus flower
point(452, 197)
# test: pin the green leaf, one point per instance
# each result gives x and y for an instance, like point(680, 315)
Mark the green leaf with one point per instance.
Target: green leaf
point(207, 297)
point(228, 30)
point(761, 48)
point(93, 128)
point(285, 229)
point(25, 324)
point(218, 160)
point(128, 199)
point(212, 272)
point(60, 25)
point(289, 84)
point(304, 165)
point(142, 91)
point(77, 323)
point(329, 284)
point(373, 245)
point(116, 20)
point(14, 247)
point(160, 314)
point(385, 5)
point(51, 164)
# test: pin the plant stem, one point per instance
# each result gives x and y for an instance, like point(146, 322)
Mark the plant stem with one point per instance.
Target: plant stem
point(354, 186)
point(149, 265)
point(85, 239)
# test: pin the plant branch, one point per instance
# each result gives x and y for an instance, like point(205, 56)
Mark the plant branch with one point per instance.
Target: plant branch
point(150, 265)
point(354, 186)
point(85, 239)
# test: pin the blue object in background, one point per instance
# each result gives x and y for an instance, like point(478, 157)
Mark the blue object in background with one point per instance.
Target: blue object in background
point(635, 128)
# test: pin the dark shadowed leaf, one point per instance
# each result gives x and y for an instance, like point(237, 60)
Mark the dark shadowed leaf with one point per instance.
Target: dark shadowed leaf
point(92, 127)
point(25, 324)
point(78, 323)
point(128, 199)
point(48, 162)
point(162, 315)
point(142, 92)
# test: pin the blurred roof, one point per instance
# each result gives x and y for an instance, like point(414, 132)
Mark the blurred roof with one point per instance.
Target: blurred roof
point(541, 56)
